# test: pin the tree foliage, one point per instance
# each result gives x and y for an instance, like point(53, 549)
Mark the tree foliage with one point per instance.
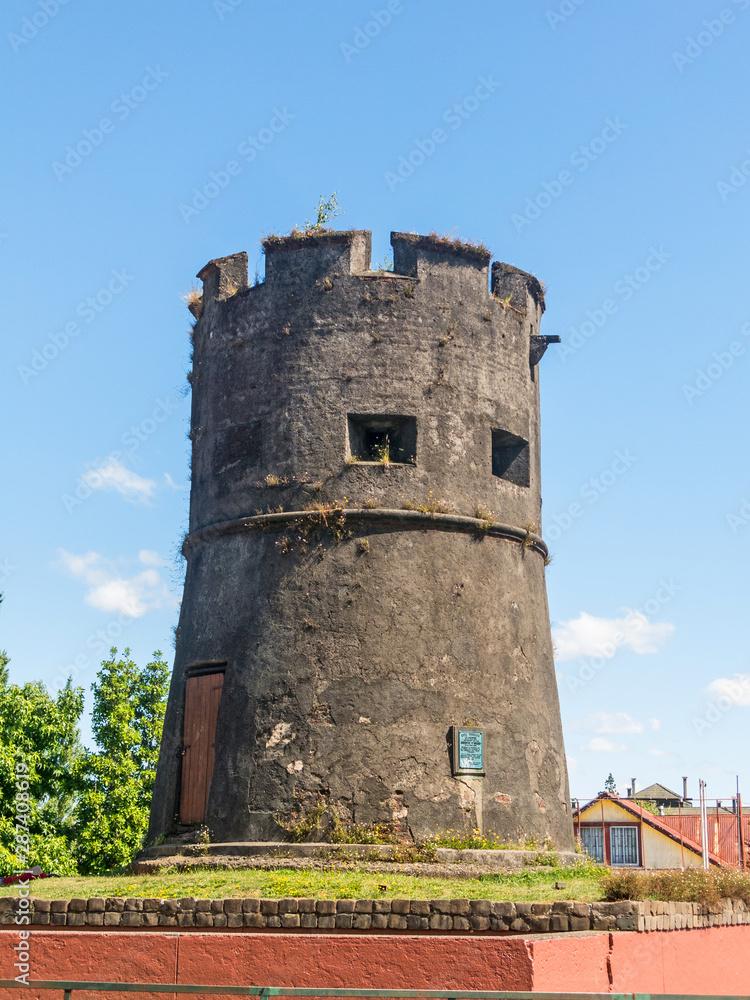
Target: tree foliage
point(64, 807)
point(40, 732)
point(4, 660)
point(116, 783)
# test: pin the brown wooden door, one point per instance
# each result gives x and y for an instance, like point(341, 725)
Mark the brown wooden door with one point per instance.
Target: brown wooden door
point(202, 695)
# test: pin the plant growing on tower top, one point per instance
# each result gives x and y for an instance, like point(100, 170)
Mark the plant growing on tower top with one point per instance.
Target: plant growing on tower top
point(327, 210)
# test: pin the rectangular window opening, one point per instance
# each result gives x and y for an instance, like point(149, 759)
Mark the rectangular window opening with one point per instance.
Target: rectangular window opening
point(382, 438)
point(592, 841)
point(623, 846)
point(510, 458)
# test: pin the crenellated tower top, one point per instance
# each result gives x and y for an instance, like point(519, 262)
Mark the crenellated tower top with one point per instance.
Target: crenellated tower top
point(308, 258)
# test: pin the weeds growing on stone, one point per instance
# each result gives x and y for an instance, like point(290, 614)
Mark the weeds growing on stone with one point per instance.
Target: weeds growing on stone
point(451, 240)
point(490, 841)
point(193, 299)
point(485, 515)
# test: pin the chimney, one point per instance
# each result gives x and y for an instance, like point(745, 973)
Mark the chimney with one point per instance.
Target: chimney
point(684, 789)
point(632, 788)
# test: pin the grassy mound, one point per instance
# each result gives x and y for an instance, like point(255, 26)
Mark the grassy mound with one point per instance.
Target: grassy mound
point(535, 884)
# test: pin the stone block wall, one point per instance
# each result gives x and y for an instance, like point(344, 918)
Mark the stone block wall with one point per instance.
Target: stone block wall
point(449, 915)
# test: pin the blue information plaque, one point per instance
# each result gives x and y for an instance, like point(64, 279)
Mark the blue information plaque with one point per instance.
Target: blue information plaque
point(468, 751)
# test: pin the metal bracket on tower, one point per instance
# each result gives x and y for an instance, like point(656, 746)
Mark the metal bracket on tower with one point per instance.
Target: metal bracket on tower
point(537, 347)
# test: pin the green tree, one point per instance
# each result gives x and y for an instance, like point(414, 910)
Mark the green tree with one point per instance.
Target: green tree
point(117, 782)
point(648, 805)
point(39, 747)
point(609, 785)
point(4, 660)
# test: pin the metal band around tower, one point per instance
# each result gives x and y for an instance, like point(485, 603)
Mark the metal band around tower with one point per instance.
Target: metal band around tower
point(389, 519)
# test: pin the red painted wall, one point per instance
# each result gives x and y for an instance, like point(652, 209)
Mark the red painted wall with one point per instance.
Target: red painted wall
point(271, 959)
point(571, 962)
point(716, 960)
point(711, 960)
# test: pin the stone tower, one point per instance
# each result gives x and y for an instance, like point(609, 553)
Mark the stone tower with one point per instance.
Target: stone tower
point(365, 622)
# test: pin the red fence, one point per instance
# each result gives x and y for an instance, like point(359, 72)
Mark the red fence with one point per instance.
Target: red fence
point(723, 832)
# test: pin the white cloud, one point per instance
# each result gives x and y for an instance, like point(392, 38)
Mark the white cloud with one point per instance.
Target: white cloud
point(110, 590)
point(734, 689)
point(599, 745)
point(591, 636)
point(613, 722)
point(655, 724)
point(657, 752)
point(172, 484)
point(150, 558)
point(113, 475)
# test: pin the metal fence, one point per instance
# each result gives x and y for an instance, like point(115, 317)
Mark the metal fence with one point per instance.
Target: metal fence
point(68, 988)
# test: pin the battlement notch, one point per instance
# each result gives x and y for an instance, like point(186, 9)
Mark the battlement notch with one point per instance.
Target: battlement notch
point(224, 276)
point(515, 287)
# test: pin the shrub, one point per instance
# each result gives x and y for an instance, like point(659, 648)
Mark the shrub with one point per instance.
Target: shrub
point(691, 885)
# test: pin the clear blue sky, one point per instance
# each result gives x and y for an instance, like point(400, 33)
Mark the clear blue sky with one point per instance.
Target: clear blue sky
point(599, 146)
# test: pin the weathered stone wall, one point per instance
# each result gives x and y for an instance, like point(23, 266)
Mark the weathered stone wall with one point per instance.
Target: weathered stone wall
point(356, 634)
point(277, 853)
point(381, 914)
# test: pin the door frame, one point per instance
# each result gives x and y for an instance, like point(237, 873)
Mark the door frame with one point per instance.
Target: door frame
point(195, 669)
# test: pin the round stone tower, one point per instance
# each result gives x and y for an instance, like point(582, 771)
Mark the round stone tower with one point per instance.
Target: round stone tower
point(364, 624)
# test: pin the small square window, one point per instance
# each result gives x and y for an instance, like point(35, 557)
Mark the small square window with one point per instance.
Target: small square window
point(510, 458)
point(382, 438)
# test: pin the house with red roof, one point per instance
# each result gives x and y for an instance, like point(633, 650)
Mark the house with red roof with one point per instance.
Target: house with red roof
point(621, 833)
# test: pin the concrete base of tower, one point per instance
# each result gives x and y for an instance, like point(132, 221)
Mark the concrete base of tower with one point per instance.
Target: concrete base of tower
point(254, 853)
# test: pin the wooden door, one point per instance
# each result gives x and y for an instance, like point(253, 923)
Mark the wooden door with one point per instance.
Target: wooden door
point(202, 695)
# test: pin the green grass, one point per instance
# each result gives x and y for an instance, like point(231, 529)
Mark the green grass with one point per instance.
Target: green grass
point(585, 882)
point(529, 884)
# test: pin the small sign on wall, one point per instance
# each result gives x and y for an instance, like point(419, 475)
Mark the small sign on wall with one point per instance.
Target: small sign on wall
point(467, 750)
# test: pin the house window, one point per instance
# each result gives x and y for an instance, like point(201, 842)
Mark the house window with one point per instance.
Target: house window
point(382, 438)
point(623, 845)
point(592, 841)
point(510, 457)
